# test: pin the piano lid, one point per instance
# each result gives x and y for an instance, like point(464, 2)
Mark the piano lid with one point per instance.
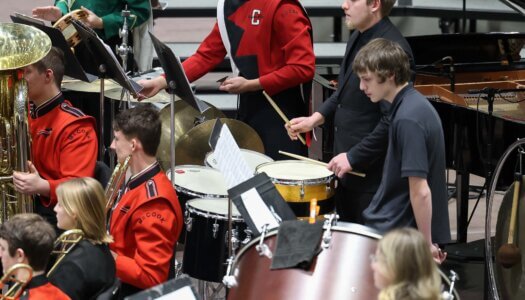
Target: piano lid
point(517, 5)
point(469, 52)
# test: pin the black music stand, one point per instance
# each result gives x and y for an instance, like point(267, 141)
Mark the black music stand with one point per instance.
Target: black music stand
point(178, 288)
point(177, 84)
point(109, 67)
point(73, 68)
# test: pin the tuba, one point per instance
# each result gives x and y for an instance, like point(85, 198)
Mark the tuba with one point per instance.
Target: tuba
point(115, 182)
point(20, 45)
point(63, 245)
point(17, 277)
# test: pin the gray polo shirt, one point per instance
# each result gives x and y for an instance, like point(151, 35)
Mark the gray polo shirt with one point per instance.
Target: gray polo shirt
point(416, 148)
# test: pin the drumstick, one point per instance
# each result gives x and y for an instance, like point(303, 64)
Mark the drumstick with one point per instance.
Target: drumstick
point(300, 157)
point(283, 116)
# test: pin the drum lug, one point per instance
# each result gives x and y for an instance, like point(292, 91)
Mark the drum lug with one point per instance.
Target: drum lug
point(188, 222)
point(262, 248)
point(328, 187)
point(235, 239)
point(327, 235)
point(248, 237)
point(229, 280)
point(215, 229)
point(301, 190)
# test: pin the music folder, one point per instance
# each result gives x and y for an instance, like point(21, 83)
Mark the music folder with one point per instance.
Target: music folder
point(174, 72)
point(73, 67)
point(179, 288)
point(101, 54)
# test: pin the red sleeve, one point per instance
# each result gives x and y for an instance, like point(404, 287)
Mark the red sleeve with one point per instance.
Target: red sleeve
point(291, 33)
point(210, 53)
point(155, 240)
point(78, 155)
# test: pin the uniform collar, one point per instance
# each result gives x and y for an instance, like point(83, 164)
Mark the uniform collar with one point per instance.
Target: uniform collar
point(37, 281)
point(45, 107)
point(144, 175)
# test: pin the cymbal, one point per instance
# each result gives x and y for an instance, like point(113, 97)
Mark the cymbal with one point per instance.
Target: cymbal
point(192, 147)
point(186, 117)
point(89, 87)
point(161, 97)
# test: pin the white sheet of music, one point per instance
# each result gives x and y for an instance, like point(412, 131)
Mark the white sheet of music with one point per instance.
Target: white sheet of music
point(230, 160)
point(257, 209)
point(184, 293)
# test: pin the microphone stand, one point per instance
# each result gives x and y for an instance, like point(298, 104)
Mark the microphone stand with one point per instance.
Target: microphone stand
point(122, 50)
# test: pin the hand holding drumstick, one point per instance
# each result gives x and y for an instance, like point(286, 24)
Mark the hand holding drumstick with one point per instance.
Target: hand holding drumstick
point(283, 116)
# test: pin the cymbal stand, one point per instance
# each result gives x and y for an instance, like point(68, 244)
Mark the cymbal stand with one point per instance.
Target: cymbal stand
point(171, 91)
point(101, 148)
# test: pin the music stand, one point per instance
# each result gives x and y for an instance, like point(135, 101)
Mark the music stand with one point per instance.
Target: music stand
point(108, 67)
point(178, 288)
point(73, 67)
point(177, 84)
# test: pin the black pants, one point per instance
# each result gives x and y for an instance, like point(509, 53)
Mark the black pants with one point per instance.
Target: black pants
point(350, 204)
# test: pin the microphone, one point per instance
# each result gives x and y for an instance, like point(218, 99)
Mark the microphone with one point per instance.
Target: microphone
point(485, 90)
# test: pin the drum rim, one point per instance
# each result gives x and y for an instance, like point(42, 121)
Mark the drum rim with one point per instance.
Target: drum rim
point(341, 226)
point(313, 181)
point(208, 214)
point(242, 150)
point(193, 193)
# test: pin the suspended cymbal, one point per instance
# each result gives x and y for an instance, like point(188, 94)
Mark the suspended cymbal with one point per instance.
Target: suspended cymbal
point(161, 97)
point(186, 117)
point(21, 45)
point(89, 87)
point(192, 147)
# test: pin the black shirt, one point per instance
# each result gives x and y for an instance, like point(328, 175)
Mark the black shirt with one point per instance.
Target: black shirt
point(416, 148)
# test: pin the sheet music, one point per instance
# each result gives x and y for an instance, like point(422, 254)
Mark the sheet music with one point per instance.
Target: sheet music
point(258, 211)
point(184, 293)
point(230, 160)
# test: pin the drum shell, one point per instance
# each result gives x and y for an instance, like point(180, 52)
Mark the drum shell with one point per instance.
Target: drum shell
point(204, 255)
point(341, 272)
point(298, 193)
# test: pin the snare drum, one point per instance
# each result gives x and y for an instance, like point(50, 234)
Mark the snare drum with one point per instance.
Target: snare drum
point(198, 182)
point(253, 158)
point(341, 271)
point(206, 246)
point(298, 182)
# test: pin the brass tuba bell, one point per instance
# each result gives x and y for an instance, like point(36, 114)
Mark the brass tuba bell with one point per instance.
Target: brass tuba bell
point(16, 278)
point(20, 46)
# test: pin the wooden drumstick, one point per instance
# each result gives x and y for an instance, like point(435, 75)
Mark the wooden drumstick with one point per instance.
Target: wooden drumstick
point(283, 116)
point(303, 158)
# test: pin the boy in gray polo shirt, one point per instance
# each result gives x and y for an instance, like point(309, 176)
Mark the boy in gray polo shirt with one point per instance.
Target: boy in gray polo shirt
point(413, 187)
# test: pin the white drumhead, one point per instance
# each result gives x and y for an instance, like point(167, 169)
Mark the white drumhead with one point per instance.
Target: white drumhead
point(218, 206)
point(252, 158)
point(294, 170)
point(199, 179)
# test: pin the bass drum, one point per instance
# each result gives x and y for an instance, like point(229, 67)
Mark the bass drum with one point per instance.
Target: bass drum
point(340, 272)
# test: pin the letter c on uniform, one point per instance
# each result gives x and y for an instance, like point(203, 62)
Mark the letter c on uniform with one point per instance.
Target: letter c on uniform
point(255, 17)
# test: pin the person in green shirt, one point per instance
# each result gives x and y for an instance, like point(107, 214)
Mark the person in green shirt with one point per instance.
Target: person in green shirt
point(103, 15)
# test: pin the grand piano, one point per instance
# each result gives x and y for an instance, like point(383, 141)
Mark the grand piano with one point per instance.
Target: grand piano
point(459, 73)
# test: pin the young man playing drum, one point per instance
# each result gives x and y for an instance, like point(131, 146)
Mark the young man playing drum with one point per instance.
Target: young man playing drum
point(413, 187)
point(145, 219)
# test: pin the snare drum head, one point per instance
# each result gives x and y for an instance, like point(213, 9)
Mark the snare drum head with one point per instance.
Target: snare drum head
point(217, 206)
point(252, 158)
point(199, 180)
point(294, 170)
